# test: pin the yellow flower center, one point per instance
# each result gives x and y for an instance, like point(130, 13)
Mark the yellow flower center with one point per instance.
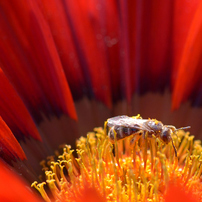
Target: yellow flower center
point(121, 172)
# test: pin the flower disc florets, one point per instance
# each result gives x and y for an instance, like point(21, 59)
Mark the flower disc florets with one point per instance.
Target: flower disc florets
point(121, 172)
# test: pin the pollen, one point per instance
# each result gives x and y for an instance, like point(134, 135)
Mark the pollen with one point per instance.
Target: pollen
point(121, 172)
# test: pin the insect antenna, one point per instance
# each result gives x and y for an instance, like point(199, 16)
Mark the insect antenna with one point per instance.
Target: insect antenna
point(182, 128)
point(174, 148)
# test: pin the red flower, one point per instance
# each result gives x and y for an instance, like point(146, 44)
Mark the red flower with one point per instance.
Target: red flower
point(67, 66)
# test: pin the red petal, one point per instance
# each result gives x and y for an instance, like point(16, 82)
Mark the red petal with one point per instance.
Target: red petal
point(14, 112)
point(158, 49)
point(125, 65)
point(190, 70)
point(90, 195)
point(90, 38)
point(178, 193)
point(150, 24)
point(113, 48)
point(12, 188)
point(31, 61)
point(10, 148)
point(183, 14)
point(57, 19)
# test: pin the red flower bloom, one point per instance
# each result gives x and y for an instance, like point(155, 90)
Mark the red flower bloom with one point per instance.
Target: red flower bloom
point(67, 66)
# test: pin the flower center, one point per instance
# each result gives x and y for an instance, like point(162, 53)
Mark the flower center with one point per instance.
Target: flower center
point(121, 172)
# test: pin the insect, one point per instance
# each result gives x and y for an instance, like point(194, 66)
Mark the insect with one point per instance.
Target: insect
point(120, 127)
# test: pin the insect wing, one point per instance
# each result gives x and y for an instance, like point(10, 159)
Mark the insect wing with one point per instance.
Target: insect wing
point(128, 122)
point(117, 121)
point(140, 124)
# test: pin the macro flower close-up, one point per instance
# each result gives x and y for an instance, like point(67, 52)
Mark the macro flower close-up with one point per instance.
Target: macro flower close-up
point(100, 100)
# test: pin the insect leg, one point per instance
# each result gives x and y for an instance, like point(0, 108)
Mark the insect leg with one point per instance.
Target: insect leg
point(106, 128)
point(171, 127)
point(113, 137)
point(112, 134)
point(144, 147)
point(135, 138)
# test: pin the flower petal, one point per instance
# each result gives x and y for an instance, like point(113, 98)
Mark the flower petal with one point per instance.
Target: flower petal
point(13, 188)
point(150, 34)
point(90, 195)
point(14, 112)
point(179, 193)
point(189, 74)
point(10, 148)
point(57, 18)
point(183, 14)
point(30, 60)
point(83, 18)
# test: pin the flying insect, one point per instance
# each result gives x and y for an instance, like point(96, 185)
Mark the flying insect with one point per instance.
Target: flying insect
point(120, 127)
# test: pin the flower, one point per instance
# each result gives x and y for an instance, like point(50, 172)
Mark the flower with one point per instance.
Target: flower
point(137, 172)
point(63, 62)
